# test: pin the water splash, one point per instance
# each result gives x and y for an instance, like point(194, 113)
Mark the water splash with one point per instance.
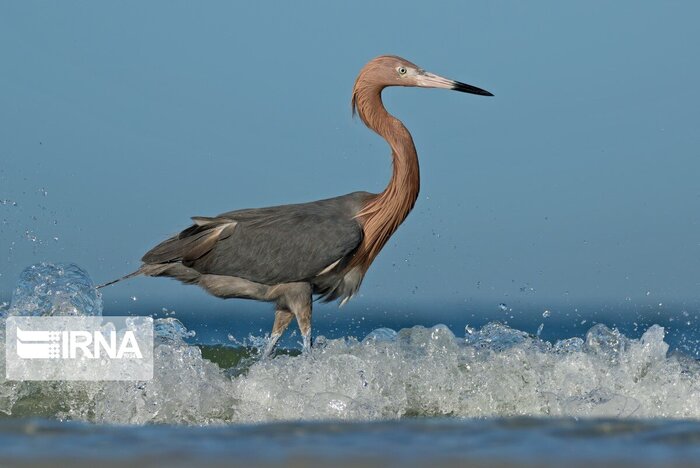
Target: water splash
point(494, 371)
point(47, 289)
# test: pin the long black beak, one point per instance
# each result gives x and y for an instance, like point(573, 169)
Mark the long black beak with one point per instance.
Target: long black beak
point(465, 88)
point(431, 80)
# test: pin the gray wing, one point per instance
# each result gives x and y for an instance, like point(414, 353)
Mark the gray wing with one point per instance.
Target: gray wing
point(273, 245)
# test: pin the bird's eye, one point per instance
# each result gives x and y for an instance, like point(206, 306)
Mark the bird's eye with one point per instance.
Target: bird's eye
point(401, 70)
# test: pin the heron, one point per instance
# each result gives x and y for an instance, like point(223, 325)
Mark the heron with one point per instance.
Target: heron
point(291, 254)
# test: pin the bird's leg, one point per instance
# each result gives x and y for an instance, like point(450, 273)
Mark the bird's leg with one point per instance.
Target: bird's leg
point(297, 297)
point(282, 319)
point(303, 315)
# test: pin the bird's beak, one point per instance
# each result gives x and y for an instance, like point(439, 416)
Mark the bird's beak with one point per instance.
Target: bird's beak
point(430, 80)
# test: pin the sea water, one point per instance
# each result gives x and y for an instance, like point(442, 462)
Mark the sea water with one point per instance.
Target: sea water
point(490, 394)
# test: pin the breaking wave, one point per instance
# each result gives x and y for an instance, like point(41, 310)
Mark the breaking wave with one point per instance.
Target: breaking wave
point(494, 371)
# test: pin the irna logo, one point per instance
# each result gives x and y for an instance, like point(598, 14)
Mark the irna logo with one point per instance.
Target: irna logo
point(72, 344)
point(78, 348)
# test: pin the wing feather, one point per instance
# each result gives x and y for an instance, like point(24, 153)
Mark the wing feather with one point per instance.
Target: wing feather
point(269, 245)
point(192, 243)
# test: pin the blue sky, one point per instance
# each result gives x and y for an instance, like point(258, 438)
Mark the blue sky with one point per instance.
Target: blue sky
point(576, 182)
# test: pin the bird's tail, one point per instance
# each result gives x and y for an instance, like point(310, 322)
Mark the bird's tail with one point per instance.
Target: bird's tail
point(130, 275)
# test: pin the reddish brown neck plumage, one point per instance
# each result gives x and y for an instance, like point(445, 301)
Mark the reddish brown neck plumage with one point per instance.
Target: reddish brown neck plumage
point(383, 214)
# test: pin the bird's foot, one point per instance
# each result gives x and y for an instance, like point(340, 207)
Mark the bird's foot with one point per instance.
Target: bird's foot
point(307, 343)
point(271, 344)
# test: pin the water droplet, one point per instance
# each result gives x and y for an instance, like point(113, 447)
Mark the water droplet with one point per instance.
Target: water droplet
point(539, 329)
point(134, 298)
point(502, 306)
point(546, 313)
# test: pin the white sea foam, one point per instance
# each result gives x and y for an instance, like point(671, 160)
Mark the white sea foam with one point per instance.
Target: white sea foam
point(493, 371)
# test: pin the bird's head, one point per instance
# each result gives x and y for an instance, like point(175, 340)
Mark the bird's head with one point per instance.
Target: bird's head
point(390, 70)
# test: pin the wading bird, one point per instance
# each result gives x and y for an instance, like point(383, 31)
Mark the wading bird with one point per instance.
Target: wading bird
point(288, 254)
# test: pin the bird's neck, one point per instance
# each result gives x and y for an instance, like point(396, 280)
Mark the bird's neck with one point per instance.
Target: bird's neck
point(383, 214)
